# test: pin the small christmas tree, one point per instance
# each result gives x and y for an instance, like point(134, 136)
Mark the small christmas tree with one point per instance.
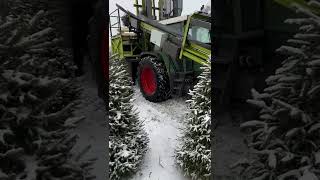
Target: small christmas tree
point(195, 154)
point(285, 137)
point(37, 98)
point(128, 140)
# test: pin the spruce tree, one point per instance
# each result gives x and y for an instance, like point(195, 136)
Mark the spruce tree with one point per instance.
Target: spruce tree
point(194, 156)
point(285, 136)
point(127, 140)
point(37, 98)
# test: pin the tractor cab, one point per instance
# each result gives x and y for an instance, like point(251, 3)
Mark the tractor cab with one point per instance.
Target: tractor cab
point(200, 34)
point(196, 31)
point(197, 38)
point(199, 30)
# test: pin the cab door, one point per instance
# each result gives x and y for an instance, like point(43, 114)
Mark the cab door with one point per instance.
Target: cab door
point(196, 46)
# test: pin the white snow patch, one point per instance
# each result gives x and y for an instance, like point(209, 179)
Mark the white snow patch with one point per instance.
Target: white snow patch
point(125, 153)
point(163, 122)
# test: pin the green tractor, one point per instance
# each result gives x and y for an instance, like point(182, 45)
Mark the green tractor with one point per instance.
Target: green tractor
point(164, 52)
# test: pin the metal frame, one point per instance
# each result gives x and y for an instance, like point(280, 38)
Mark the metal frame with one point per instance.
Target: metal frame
point(112, 26)
point(151, 23)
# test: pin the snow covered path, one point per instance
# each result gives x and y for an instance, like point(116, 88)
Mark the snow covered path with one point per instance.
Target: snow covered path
point(162, 122)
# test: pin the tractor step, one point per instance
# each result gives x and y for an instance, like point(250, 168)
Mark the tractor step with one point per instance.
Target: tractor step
point(180, 83)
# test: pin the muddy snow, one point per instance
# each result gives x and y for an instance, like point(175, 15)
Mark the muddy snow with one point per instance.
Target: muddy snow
point(163, 122)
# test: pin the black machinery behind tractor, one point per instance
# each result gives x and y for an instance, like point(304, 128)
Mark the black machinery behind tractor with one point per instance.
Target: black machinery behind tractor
point(245, 36)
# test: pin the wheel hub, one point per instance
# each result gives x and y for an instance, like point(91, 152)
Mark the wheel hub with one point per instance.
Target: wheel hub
point(148, 80)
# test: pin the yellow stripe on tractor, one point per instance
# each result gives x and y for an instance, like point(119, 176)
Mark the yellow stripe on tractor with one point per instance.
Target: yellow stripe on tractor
point(117, 47)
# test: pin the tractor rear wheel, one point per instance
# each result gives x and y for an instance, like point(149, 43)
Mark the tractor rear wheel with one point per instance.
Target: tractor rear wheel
point(153, 79)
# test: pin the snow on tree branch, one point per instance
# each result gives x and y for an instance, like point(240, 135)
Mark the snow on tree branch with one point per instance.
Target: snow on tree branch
point(37, 99)
point(285, 136)
point(195, 154)
point(128, 140)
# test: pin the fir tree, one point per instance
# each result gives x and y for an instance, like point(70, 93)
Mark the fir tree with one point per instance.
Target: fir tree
point(195, 154)
point(127, 140)
point(37, 98)
point(285, 137)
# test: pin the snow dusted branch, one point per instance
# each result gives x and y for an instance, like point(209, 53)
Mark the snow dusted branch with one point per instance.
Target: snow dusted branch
point(37, 99)
point(128, 140)
point(194, 157)
point(285, 135)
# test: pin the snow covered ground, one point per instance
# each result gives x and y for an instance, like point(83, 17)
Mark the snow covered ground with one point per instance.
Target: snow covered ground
point(92, 129)
point(229, 147)
point(163, 123)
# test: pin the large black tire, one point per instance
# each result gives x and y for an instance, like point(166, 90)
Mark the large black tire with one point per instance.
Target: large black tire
point(161, 78)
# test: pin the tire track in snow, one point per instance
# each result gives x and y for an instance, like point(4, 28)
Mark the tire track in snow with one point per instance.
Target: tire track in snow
point(162, 122)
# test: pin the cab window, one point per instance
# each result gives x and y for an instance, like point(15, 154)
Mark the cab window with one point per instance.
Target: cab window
point(199, 34)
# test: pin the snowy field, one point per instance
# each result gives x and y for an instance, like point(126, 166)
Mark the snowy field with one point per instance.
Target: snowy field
point(163, 123)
